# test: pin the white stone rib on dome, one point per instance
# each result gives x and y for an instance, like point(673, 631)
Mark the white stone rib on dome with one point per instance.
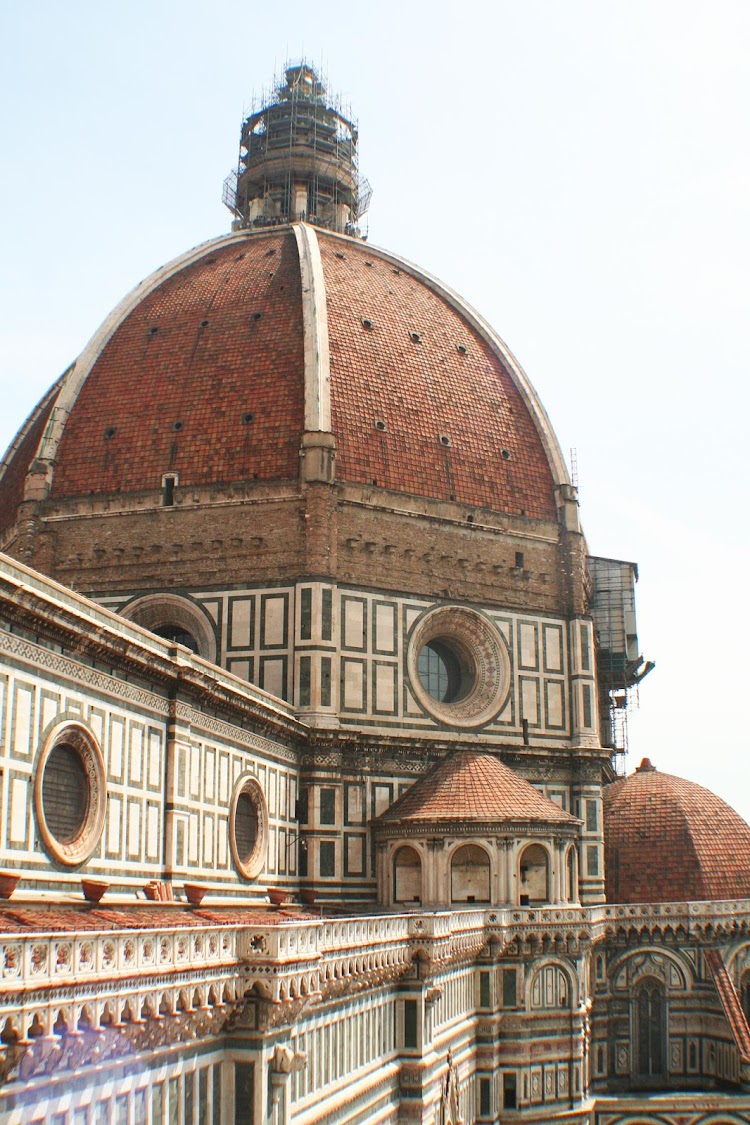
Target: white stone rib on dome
point(317, 361)
point(315, 322)
point(531, 400)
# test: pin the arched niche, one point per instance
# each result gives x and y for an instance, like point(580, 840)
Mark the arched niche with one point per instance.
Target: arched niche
point(649, 1030)
point(673, 969)
point(470, 874)
point(407, 875)
point(552, 987)
point(533, 876)
point(176, 619)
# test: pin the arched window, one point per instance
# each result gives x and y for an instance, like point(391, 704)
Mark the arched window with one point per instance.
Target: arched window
point(650, 1032)
point(407, 875)
point(470, 874)
point(177, 635)
point(533, 876)
point(175, 618)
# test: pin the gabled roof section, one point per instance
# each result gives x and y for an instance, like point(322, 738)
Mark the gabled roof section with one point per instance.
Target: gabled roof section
point(474, 788)
point(730, 1002)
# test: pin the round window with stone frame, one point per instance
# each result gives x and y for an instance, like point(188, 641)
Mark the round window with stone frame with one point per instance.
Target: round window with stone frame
point(248, 826)
point(458, 666)
point(70, 793)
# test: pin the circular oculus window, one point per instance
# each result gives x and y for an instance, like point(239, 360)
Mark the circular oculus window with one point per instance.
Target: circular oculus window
point(458, 666)
point(248, 826)
point(70, 794)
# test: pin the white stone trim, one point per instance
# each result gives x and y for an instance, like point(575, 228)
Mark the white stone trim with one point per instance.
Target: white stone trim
point(249, 866)
point(78, 737)
point(18, 440)
point(315, 320)
point(531, 399)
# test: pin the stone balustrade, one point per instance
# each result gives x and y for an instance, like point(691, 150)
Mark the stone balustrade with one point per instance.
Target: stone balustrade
point(42, 961)
point(133, 974)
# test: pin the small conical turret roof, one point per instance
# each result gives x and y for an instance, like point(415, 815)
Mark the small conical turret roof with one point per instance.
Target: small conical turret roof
point(474, 788)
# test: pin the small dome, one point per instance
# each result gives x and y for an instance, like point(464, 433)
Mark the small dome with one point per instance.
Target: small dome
point(473, 788)
point(670, 840)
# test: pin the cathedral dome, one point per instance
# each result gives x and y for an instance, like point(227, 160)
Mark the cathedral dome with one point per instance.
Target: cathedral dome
point(670, 840)
point(215, 367)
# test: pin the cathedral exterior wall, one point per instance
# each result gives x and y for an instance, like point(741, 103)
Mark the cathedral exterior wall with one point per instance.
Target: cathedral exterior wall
point(165, 742)
point(423, 1017)
point(263, 632)
point(340, 655)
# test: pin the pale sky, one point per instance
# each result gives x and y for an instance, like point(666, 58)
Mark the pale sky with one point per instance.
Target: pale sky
point(578, 170)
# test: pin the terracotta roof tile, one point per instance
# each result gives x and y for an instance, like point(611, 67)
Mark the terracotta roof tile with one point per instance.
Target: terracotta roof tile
point(219, 339)
point(42, 919)
point(471, 787)
point(730, 1002)
point(422, 390)
point(13, 479)
point(222, 338)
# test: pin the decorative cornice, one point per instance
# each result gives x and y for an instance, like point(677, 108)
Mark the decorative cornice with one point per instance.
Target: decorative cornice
point(43, 658)
point(199, 721)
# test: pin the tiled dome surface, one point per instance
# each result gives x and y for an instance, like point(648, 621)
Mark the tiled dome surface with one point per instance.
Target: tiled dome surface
point(192, 354)
point(222, 338)
point(670, 840)
point(473, 787)
point(424, 390)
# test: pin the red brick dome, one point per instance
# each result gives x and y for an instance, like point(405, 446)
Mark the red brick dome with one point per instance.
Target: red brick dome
point(215, 367)
point(670, 840)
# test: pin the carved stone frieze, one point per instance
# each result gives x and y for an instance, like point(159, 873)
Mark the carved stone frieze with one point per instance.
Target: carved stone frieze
point(43, 658)
point(262, 1015)
point(200, 721)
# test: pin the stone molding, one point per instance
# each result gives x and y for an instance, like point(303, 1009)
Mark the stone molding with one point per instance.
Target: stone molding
point(79, 738)
point(209, 724)
point(43, 658)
